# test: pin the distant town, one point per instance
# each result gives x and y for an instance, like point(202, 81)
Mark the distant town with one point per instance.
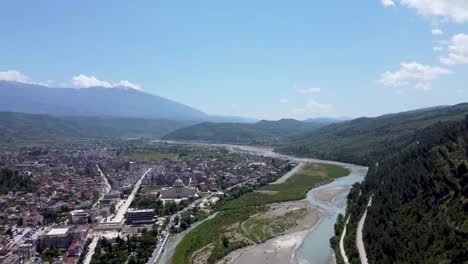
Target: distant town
point(123, 198)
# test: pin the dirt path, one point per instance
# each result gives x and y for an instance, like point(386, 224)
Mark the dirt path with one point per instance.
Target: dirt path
point(342, 250)
point(359, 239)
point(289, 174)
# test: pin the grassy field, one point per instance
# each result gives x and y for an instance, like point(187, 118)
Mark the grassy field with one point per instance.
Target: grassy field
point(223, 233)
point(261, 229)
point(295, 188)
point(153, 155)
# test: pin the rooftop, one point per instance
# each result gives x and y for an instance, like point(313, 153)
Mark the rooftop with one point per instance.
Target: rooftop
point(58, 231)
point(133, 210)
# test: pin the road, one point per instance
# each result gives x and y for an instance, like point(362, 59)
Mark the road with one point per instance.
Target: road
point(359, 239)
point(342, 250)
point(167, 231)
point(119, 216)
point(289, 174)
point(108, 187)
point(91, 248)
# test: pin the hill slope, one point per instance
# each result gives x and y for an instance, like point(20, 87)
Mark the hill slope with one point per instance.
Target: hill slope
point(365, 139)
point(419, 211)
point(97, 101)
point(19, 126)
point(262, 131)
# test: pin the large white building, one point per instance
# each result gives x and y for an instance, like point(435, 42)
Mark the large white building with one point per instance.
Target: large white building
point(178, 191)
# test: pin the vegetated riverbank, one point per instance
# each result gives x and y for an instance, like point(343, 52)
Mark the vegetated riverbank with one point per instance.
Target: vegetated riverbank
point(297, 218)
point(256, 217)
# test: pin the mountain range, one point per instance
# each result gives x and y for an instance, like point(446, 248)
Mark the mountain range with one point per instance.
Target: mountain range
point(364, 140)
point(260, 132)
point(31, 127)
point(98, 101)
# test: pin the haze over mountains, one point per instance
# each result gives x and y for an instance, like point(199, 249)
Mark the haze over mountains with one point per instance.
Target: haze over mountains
point(364, 140)
point(360, 141)
point(262, 131)
point(29, 111)
point(98, 101)
point(20, 126)
point(37, 112)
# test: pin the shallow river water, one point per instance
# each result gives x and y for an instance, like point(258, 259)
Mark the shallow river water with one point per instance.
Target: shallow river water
point(315, 249)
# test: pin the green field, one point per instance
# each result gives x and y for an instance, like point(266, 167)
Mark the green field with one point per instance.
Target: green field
point(152, 155)
point(223, 233)
point(295, 188)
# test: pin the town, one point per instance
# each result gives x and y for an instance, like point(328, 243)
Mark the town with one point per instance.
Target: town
point(118, 201)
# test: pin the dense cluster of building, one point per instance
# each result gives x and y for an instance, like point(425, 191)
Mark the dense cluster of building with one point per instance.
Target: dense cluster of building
point(216, 174)
point(68, 184)
point(81, 188)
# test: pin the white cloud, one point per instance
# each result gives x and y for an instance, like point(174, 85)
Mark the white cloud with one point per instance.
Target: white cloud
point(458, 50)
point(388, 3)
point(15, 76)
point(126, 83)
point(437, 31)
point(84, 81)
point(310, 91)
point(455, 10)
point(284, 100)
point(413, 74)
point(454, 58)
point(438, 48)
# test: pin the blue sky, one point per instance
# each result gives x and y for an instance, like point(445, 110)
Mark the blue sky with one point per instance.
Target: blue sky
point(263, 59)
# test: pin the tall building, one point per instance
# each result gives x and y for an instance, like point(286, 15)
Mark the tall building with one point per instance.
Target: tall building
point(80, 217)
point(60, 238)
point(140, 217)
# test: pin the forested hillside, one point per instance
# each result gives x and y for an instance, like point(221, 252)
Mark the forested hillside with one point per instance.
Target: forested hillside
point(260, 132)
point(18, 126)
point(419, 212)
point(365, 140)
point(12, 181)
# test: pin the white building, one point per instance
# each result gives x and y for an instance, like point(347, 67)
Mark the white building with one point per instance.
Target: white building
point(178, 191)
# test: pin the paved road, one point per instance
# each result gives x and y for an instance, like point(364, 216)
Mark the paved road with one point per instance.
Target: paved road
point(119, 216)
point(108, 186)
point(359, 239)
point(91, 248)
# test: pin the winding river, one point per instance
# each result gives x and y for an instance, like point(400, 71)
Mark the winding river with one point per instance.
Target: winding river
point(315, 249)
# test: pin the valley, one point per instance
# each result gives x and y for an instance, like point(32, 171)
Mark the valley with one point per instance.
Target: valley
point(234, 132)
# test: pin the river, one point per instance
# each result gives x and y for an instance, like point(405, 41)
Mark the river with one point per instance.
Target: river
point(315, 249)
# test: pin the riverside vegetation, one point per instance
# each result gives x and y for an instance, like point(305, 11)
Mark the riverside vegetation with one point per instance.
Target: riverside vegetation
point(235, 227)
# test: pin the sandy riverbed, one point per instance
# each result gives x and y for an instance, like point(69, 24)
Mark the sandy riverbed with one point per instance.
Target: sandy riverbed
point(329, 195)
point(278, 250)
point(282, 249)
